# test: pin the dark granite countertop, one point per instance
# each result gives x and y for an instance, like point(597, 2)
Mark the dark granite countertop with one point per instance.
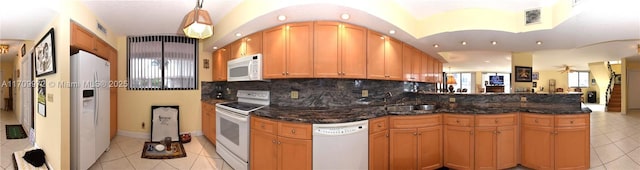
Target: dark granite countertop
point(363, 112)
point(213, 101)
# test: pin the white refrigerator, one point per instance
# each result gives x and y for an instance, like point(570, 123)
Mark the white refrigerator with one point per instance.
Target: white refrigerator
point(89, 109)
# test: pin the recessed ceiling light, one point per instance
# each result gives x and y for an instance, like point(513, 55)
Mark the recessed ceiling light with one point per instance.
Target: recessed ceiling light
point(463, 43)
point(345, 16)
point(392, 31)
point(215, 48)
point(435, 46)
point(494, 42)
point(487, 61)
point(282, 18)
point(508, 58)
point(539, 42)
point(238, 34)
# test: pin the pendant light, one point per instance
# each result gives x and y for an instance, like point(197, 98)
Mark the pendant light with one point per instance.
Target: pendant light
point(197, 23)
point(4, 48)
point(451, 80)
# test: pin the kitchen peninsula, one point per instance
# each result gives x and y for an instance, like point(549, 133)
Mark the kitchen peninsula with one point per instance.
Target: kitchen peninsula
point(464, 131)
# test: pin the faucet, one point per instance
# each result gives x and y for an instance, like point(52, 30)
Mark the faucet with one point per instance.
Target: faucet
point(386, 96)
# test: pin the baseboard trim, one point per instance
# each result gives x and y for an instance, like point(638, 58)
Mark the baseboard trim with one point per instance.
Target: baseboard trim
point(147, 135)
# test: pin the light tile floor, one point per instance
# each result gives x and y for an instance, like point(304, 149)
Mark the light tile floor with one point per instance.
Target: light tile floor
point(615, 144)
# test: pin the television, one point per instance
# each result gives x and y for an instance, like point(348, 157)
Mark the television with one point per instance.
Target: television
point(496, 80)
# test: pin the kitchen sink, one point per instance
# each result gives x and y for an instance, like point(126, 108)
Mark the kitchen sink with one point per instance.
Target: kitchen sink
point(427, 107)
point(399, 108)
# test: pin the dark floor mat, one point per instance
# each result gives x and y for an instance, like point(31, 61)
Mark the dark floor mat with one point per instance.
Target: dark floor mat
point(15, 132)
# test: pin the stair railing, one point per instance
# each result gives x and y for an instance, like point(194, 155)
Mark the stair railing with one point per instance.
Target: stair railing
point(612, 76)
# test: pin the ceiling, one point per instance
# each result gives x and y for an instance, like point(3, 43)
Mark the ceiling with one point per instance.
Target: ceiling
point(596, 31)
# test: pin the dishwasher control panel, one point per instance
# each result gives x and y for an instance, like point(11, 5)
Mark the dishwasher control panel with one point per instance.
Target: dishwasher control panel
point(338, 131)
point(340, 128)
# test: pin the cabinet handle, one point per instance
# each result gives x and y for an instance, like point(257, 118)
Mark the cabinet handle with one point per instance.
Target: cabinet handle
point(274, 141)
point(498, 132)
point(339, 73)
point(279, 142)
point(414, 133)
point(287, 73)
point(536, 120)
point(571, 121)
point(470, 132)
point(387, 134)
point(497, 121)
point(457, 121)
point(283, 73)
point(379, 125)
point(420, 133)
point(495, 132)
point(262, 126)
point(293, 131)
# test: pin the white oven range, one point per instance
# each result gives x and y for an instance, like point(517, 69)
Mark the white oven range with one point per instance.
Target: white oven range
point(232, 126)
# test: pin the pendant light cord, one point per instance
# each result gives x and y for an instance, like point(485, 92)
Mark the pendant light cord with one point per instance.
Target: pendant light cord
point(199, 4)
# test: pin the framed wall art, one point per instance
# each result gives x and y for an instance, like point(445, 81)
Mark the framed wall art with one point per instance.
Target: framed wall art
point(42, 99)
point(45, 52)
point(165, 123)
point(523, 74)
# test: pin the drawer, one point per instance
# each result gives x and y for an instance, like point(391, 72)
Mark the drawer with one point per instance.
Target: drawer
point(378, 124)
point(572, 120)
point(458, 120)
point(496, 120)
point(264, 125)
point(294, 130)
point(415, 121)
point(537, 120)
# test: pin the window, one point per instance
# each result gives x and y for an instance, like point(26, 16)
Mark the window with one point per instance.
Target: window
point(579, 79)
point(463, 81)
point(161, 63)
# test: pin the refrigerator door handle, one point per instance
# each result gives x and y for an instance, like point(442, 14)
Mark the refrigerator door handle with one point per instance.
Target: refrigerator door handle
point(96, 97)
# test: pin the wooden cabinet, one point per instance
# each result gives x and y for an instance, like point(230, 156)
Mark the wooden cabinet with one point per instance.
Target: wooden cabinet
point(280, 145)
point(82, 39)
point(113, 92)
point(458, 141)
point(340, 50)
point(248, 45)
point(219, 62)
point(288, 51)
point(416, 142)
point(555, 142)
point(209, 121)
point(412, 61)
point(426, 71)
point(384, 57)
point(496, 141)
point(379, 143)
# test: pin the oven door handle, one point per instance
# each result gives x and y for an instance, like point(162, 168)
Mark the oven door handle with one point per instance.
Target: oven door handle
point(230, 114)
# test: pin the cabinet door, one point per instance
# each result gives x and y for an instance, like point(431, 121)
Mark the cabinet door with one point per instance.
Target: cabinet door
point(375, 56)
point(536, 150)
point(439, 72)
point(264, 151)
point(354, 51)
point(219, 64)
point(274, 53)
point(205, 119)
point(507, 147)
point(326, 58)
point(236, 49)
point(403, 145)
point(485, 147)
point(430, 147)
point(102, 49)
point(458, 147)
point(572, 148)
point(82, 38)
point(379, 150)
point(299, 50)
point(253, 44)
point(393, 59)
point(212, 124)
point(294, 154)
point(407, 66)
point(113, 109)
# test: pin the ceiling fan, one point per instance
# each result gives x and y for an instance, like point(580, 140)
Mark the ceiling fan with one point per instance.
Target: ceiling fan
point(566, 68)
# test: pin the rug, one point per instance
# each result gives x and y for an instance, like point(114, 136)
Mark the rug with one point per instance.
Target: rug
point(15, 132)
point(177, 151)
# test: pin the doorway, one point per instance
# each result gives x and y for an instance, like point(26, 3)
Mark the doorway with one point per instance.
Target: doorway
point(26, 88)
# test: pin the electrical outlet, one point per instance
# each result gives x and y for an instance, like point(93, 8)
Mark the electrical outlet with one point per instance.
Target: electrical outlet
point(365, 93)
point(452, 99)
point(523, 99)
point(294, 94)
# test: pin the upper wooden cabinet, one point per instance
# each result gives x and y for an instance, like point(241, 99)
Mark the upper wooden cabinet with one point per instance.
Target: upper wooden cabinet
point(248, 45)
point(340, 50)
point(384, 57)
point(219, 62)
point(85, 40)
point(412, 61)
point(288, 51)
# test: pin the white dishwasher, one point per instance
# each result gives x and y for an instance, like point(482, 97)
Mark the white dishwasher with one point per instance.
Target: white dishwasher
point(341, 146)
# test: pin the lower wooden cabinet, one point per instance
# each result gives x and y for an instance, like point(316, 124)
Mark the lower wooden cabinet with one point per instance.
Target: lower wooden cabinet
point(285, 146)
point(416, 142)
point(458, 141)
point(555, 142)
point(209, 121)
point(496, 141)
point(379, 144)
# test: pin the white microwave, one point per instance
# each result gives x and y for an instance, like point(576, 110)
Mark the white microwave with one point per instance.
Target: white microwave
point(246, 68)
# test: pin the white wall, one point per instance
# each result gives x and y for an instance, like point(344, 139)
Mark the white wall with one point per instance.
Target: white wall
point(633, 81)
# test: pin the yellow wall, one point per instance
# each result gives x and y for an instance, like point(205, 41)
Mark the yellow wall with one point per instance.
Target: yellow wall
point(600, 72)
point(626, 66)
point(134, 107)
point(520, 59)
point(616, 68)
point(546, 75)
point(8, 73)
